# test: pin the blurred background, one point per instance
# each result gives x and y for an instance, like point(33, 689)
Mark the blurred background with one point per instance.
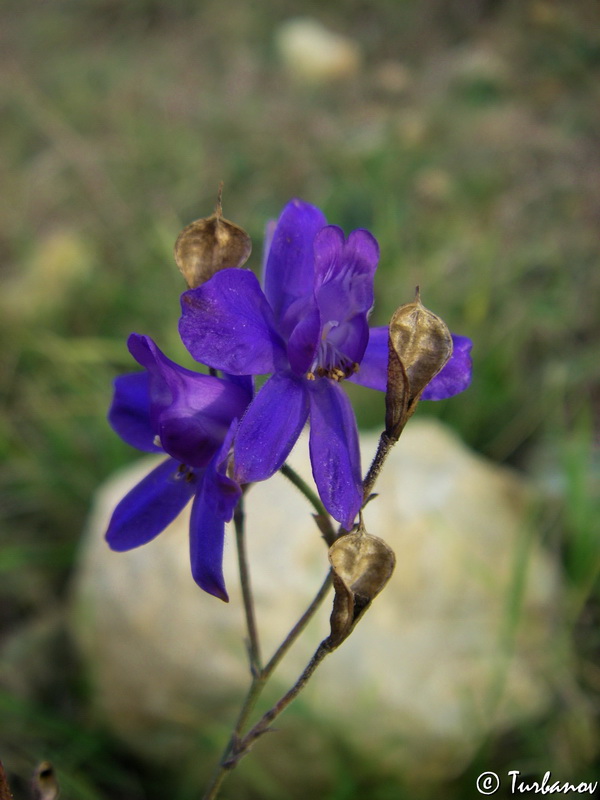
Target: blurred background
point(463, 133)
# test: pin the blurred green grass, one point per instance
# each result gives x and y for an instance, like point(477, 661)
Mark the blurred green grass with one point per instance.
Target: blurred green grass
point(480, 177)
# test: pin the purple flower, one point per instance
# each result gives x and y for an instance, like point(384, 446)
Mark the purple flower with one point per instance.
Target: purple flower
point(309, 330)
point(192, 418)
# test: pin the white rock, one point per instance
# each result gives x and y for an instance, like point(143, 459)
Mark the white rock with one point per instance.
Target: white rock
point(459, 644)
point(313, 54)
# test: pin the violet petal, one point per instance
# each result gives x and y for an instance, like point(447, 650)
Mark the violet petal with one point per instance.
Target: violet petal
point(348, 339)
point(207, 535)
point(344, 272)
point(372, 372)
point(455, 376)
point(334, 451)
point(150, 506)
point(228, 324)
point(129, 413)
point(190, 412)
point(289, 272)
point(303, 341)
point(270, 427)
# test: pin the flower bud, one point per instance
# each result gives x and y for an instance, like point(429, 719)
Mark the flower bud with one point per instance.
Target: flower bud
point(419, 345)
point(209, 245)
point(362, 564)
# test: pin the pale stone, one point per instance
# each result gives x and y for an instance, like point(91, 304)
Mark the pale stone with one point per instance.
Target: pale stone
point(313, 54)
point(461, 642)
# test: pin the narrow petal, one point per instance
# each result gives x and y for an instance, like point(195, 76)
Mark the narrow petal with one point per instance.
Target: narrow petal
point(129, 413)
point(207, 535)
point(150, 506)
point(334, 451)
point(215, 502)
point(290, 270)
point(228, 324)
point(270, 427)
point(190, 412)
point(372, 371)
point(455, 377)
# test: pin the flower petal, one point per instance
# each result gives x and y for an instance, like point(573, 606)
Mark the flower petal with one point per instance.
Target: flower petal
point(372, 372)
point(344, 272)
point(129, 413)
point(455, 377)
point(228, 324)
point(334, 451)
point(270, 427)
point(289, 271)
point(207, 534)
point(215, 502)
point(150, 506)
point(190, 412)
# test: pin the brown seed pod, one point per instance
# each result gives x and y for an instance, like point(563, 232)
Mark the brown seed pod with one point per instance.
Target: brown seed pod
point(209, 245)
point(419, 346)
point(362, 564)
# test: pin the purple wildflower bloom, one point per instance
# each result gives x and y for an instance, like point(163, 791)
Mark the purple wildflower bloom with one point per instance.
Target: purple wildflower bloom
point(309, 330)
point(192, 418)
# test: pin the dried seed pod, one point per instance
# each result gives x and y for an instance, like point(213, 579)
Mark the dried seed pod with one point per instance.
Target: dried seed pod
point(362, 564)
point(419, 346)
point(209, 245)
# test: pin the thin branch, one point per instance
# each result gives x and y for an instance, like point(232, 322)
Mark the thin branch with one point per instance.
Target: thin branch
point(258, 683)
point(322, 517)
point(299, 626)
point(244, 745)
point(253, 639)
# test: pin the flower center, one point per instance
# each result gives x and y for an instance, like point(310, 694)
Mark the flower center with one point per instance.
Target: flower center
point(330, 361)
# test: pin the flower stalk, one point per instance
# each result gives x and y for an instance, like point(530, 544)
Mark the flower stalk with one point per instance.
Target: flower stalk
point(239, 519)
point(239, 746)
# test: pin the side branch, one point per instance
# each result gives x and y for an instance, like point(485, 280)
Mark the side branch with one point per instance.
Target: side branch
point(244, 745)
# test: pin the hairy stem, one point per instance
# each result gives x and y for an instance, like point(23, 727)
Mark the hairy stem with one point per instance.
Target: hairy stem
point(383, 450)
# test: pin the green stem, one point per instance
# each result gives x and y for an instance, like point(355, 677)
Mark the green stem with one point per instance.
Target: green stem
point(253, 639)
point(322, 517)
